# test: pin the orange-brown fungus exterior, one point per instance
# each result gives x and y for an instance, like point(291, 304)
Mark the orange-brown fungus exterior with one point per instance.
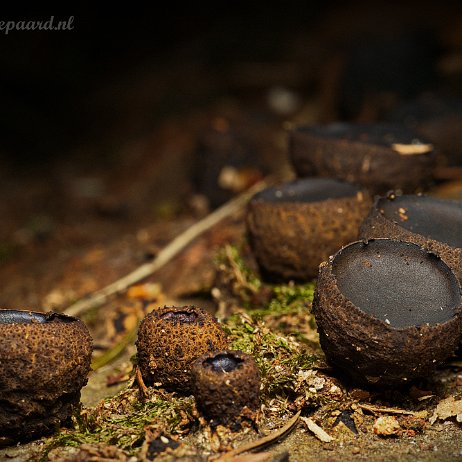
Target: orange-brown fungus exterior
point(45, 360)
point(227, 387)
point(170, 339)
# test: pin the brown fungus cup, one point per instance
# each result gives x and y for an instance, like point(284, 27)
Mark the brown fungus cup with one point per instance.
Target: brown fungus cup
point(387, 311)
point(45, 359)
point(435, 224)
point(170, 339)
point(378, 157)
point(226, 386)
point(292, 228)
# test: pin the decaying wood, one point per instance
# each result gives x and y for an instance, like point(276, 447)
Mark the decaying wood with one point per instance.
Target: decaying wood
point(166, 254)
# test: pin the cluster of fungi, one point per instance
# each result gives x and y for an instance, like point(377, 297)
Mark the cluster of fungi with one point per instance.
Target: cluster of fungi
point(389, 287)
point(185, 349)
point(389, 270)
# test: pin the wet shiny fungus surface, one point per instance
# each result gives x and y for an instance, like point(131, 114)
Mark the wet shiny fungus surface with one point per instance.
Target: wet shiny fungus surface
point(438, 219)
point(313, 190)
point(397, 283)
point(430, 222)
point(223, 362)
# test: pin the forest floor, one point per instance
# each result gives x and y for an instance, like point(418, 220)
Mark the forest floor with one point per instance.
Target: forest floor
point(272, 322)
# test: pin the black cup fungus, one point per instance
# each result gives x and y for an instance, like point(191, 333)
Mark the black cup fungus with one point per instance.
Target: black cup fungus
point(382, 308)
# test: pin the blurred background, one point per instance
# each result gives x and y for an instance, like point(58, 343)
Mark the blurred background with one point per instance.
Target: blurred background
point(137, 117)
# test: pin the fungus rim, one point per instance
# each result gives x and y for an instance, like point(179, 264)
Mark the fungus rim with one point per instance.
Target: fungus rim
point(228, 361)
point(382, 134)
point(383, 205)
point(11, 317)
point(453, 309)
point(180, 315)
point(307, 190)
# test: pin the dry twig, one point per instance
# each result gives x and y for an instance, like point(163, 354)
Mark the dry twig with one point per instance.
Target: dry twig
point(392, 410)
point(317, 430)
point(166, 254)
point(140, 382)
point(265, 441)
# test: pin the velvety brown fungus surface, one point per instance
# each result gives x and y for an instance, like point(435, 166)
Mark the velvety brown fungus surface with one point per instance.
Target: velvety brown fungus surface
point(294, 227)
point(45, 360)
point(379, 157)
point(170, 339)
point(227, 387)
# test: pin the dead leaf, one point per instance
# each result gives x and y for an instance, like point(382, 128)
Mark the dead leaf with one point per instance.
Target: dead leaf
point(266, 440)
point(446, 408)
point(149, 291)
point(258, 457)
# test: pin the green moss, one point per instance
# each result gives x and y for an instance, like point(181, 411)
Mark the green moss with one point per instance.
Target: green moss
point(279, 357)
point(235, 274)
point(231, 256)
point(279, 331)
point(290, 299)
point(122, 420)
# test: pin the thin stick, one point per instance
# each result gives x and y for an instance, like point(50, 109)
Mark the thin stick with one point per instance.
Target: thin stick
point(317, 430)
point(166, 254)
point(266, 440)
point(112, 353)
point(391, 410)
point(140, 382)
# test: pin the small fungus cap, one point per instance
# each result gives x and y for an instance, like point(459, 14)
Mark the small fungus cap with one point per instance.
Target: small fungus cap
point(377, 156)
point(227, 387)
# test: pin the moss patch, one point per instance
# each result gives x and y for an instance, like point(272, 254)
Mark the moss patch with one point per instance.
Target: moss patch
point(279, 357)
point(123, 420)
